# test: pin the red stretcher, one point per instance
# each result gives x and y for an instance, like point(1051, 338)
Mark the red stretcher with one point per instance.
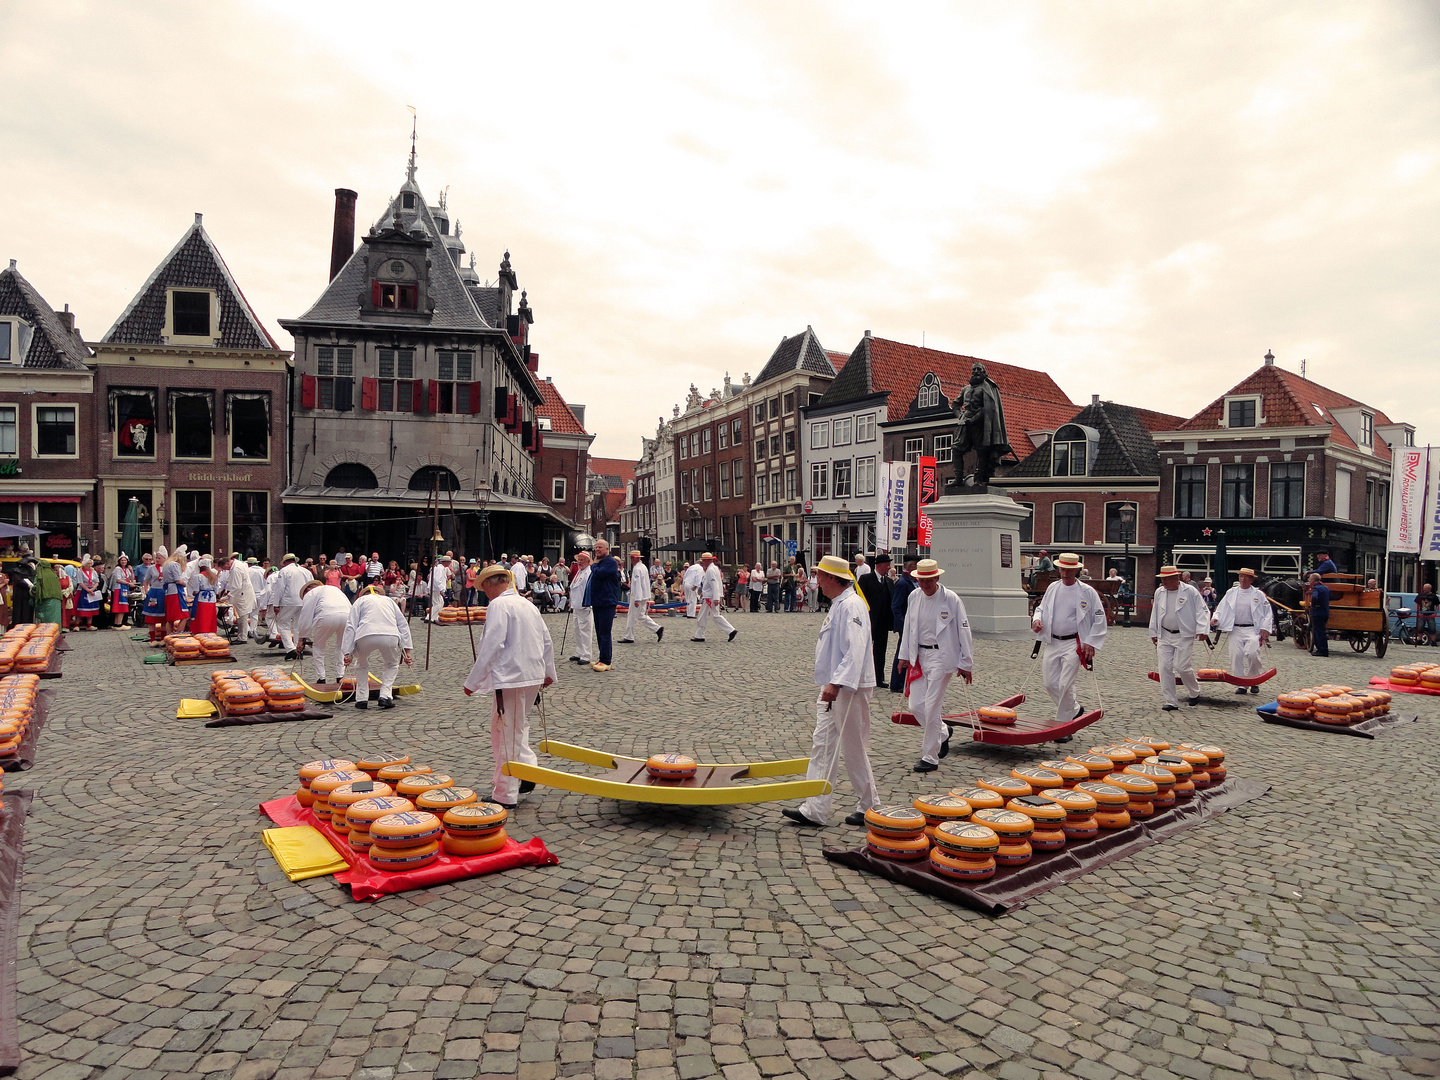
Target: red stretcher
point(1025, 731)
point(1233, 680)
point(1380, 682)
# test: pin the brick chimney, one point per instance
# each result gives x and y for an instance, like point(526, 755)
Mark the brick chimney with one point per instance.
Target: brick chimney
point(67, 318)
point(342, 243)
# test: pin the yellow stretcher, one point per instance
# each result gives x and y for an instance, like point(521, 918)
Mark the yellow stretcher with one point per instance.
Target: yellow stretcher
point(712, 785)
point(331, 692)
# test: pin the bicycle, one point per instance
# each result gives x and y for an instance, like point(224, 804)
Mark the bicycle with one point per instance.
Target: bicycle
point(1419, 633)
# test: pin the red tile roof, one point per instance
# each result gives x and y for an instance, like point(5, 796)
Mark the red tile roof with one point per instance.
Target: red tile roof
point(613, 466)
point(554, 409)
point(614, 500)
point(837, 359)
point(1287, 400)
point(1156, 421)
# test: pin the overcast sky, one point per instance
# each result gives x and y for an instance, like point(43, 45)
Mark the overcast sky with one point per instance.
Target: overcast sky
point(1139, 198)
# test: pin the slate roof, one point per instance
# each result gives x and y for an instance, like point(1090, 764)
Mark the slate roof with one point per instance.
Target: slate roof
point(1126, 448)
point(52, 346)
point(557, 411)
point(1033, 400)
point(487, 302)
point(192, 263)
point(1287, 400)
point(802, 352)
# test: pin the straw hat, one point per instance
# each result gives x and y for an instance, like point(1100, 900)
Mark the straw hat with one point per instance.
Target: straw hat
point(1069, 561)
point(709, 555)
point(289, 557)
point(1247, 570)
point(928, 568)
point(1168, 571)
point(635, 553)
point(494, 570)
point(835, 566)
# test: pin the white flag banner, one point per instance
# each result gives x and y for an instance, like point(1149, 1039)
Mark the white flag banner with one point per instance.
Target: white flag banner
point(882, 508)
point(1430, 545)
point(1408, 469)
point(900, 504)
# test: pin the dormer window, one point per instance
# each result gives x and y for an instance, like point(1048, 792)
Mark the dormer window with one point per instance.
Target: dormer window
point(1242, 411)
point(407, 200)
point(1367, 429)
point(1068, 451)
point(7, 350)
point(929, 396)
point(392, 296)
point(191, 313)
point(15, 337)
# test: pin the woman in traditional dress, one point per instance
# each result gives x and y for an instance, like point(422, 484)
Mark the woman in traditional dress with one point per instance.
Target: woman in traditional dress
point(154, 590)
point(172, 579)
point(87, 595)
point(204, 620)
point(47, 593)
point(119, 583)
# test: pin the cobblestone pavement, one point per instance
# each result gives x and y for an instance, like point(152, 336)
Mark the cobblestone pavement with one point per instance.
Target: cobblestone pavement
point(1293, 937)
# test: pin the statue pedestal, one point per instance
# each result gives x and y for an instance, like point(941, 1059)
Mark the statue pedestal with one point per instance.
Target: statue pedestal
point(977, 543)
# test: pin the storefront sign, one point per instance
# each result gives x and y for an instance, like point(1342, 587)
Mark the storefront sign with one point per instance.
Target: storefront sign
point(10, 467)
point(929, 491)
point(1407, 514)
point(206, 476)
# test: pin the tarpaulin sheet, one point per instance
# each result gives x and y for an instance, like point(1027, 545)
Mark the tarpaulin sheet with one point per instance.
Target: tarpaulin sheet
point(303, 852)
point(307, 713)
point(13, 808)
point(367, 883)
point(25, 754)
point(1365, 729)
point(52, 670)
point(1013, 885)
point(1380, 682)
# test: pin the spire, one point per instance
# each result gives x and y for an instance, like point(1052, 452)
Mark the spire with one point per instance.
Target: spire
point(414, 125)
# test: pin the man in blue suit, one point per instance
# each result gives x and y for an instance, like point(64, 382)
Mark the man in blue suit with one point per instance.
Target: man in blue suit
point(899, 604)
point(602, 594)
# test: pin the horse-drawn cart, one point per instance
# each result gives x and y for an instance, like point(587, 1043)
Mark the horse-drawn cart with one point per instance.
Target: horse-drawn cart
point(1108, 588)
point(1357, 615)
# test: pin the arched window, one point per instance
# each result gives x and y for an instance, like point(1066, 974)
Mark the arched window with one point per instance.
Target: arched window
point(929, 397)
point(351, 475)
point(425, 478)
point(1068, 451)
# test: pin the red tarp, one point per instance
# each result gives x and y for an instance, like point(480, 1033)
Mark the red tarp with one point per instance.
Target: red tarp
point(1380, 682)
point(367, 883)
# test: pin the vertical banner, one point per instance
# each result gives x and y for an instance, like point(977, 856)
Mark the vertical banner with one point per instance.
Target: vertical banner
point(928, 494)
point(899, 523)
point(1430, 545)
point(882, 507)
point(1408, 468)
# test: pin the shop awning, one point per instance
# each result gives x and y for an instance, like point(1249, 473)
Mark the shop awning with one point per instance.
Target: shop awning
point(34, 498)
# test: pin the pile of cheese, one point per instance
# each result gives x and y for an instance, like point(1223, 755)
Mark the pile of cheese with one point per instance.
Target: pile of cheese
point(17, 709)
point(454, 616)
point(268, 689)
point(1331, 704)
point(28, 647)
point(1426, 676)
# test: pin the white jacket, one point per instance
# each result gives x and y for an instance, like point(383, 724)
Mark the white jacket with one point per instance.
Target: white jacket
point(439, 579)
point(692, 576)
point(941, 620)
point(639, 584)
point(577, 589)
point(374, 616)
point(289, 580)
point(324, 605)
point(844, 655)
point(1092, 613)
point(515, 649)
point(712, 584)
point(1192, 614)
point(241, 588)
point(1239, 606)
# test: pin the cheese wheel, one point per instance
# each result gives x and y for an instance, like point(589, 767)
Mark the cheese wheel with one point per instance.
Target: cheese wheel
point(1154, 742)
point(980, 798)
point(1335, 706)
point(1211, 674)
point(1081, 829)
point(1008, 786)
point(1138, 788)
point(949, 866)
point(671, 766)
point(1009, 826)
point(1176, 765)
point(394, 773)
point(313, 769)
point(1201, 779)
point(1162, 777)
point(1404, 678)
point(1038, 778)
point(966, 840)
point(1048, 839)
point(474, 819)
point(407, 858)
point(901, 822)
point(304, 798)
point(1119, 756)
point(892, 847)
point(1045, 812)
point(1184, 789)
point(1165, 799)
point(1099, 765)
point(412, 786)
point(360, 840)
point(940, 808)
point(1107, 796)
point(463, 847)
point(1016, 854)
point(1214, 753)
point(995, 714)
point(1141, 808)
point(1217, 774)
point(347, 795)
point(1292, 714)
point(1078, 805)
point(438, 800)
point(405, 829)
point(1069, 771)
point(359, 816)
point(1294, 701)
point(1107, 820)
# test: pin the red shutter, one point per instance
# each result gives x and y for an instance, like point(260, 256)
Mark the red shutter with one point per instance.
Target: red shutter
point(434, 391)
point(417, 397)
point(474, 399)
point(307, 391)
point(369, 393)
point(375, 293)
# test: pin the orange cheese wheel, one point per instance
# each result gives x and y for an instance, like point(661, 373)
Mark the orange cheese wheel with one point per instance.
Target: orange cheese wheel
point(940, 808)
point(407, 858)
point(1163, 778)
point(1107, 796)
point(1016, 854)
point(1048, 839)
point(980, 798)
point(1184, 789)
point(900, 822)
point(1404, 677)
point(671, 766)
point(1008, 786)
point(328, 781)
point(359, 815)
point(1118, 755)
point(1010, 826)
point(1136, 787)
point(1118, 819)
point(1081, 829)
point(1038, 778)
point(1296, 701)
point(961, 869)
point(438, 800)
point(348, 794)
point(892, 847)
point(1141, 808)
point(412, 786)
point(1217, 774)
point(474, 819)
point(304, 797)
point(1099, 765)
point(360, 839)
point(1045, 812)
point(405, 829)
point(394, 773)
point(313, 769)
point(464, 847)
point(1069, 771)
point(1210, 673)
point(996, 714)
point(1078, 805)
point(1173, 763)
point(1165, 799)
point(965, 839)
point(1154, 742)
point(1292, 714)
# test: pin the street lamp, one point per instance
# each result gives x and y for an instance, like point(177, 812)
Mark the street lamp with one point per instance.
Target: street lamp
point(844, 529)
point(1127, 533)
point(482, 500)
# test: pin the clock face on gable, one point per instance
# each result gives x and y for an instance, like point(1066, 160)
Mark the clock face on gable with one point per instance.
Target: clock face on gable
point(397, 267)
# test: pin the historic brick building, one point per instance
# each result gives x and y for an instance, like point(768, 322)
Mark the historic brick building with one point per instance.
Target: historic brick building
point(563, 464)
point(712, 501)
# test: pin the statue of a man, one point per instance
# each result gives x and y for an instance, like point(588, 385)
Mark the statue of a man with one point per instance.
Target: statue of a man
point(980, 427)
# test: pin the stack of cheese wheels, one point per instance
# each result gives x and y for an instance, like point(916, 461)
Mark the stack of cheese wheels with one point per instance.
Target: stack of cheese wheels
point(1111, 804)
point(9, 649)
point(1079, 807)
point(1118, 755)
point(980, 798)
point(1173, 762)
point(413, 786)
point(185, 647)
point(213, 645)
point(1140, 750)
point(1296, 705)
point(405, 841)
point(325, 783)
point(241, 697)
point(1141, 791)
point(1215, 762)
point(1211, 674)
point(394, 773)
point(1007, 787)
point(17, 710)
point(359, 816)
point(1336, 710)
point(964, 851)
point(896, 832)
point(1163, 779)
point(373, 763)
point(285, 697)
point(475, 828)
point(939, 809)
point(1070, 772)
point(671, 766)
point(1014, 830)
point(1048, 816)
point(1405, 675)
point(1099, 765)
point(996, 714)
point(311, 769)
point(1038, 777)
point(346, 795)
point(439, 799)
point(1154, 742)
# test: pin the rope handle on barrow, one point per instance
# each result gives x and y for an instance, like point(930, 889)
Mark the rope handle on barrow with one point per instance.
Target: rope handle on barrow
point(974, 713)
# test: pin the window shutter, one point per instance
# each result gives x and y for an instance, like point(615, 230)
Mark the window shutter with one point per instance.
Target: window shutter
point(375, 293)
point(474, 399)
point(527, 436)
point(417, 397)
point(369, 393)
point(539, 438)
point(511, 407)
point(434, 390)
point(344, 395)
point(501, 403)
point(307, 391)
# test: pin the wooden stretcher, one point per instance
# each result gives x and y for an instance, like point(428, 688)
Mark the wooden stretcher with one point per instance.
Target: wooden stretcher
point(1233, 680)
point(1025, 731)
point(331, 692)
point(628, 780)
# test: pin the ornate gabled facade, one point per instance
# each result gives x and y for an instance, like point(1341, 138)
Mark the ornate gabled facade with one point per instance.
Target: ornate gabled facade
point(413, 375)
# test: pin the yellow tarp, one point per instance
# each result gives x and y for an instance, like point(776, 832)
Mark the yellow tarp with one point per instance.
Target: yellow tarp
point(194, 709)
point(303, 852)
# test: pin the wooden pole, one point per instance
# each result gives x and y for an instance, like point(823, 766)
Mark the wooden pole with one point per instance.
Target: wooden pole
point(435, 521)
point(474, 655)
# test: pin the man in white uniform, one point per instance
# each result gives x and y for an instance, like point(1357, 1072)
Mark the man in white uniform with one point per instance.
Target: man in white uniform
point(1071, 622)
point(375, 626)
point(640, 602)
point(1179, 617)
point(712, 599)
point(845, 673)
point(1245, 614)
point(690, 583)
point(242, 593)
point(584, 621)
point(324, 610)
point(257, 584)
point(520, 572)
point(289, 580)
point(937, 639)
point(439, 582)
point(515, 661)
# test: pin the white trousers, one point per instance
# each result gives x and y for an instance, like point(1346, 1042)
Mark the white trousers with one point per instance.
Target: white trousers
point(842, 728)
point(387, 647)
point(285, 620)
point(692, 599)
point(510, 738)
point(927, 702)
point(1060, 669)
point(437, 601)
point(325, 638)
point(249, 622)
point(584, 634)
point(1245, 652)
point(710, 612)
point(1176, 658)
point(638, 613)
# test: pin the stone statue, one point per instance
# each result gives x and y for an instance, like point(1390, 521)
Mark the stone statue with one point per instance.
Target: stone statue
point(692, 400)
point(980, 426)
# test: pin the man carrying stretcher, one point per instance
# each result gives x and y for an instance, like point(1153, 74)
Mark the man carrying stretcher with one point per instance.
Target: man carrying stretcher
point(937, 641)
point(1070, 623)
point(1245, 614)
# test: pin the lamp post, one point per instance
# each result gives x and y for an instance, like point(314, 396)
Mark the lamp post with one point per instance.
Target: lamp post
point(844, 528)
point(482, 501)
point(1127, 534)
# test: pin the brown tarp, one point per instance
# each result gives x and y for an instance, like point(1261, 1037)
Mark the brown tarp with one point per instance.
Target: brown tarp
point(13, 808)
point(52, 670)
point(1365, 729)
point(25, 755)
point(307, 713)
point(1013, 885)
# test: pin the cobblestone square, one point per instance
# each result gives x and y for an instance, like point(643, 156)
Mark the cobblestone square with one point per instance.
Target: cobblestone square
point(1293, 937)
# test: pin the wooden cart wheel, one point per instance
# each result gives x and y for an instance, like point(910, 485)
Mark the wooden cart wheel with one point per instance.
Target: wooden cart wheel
point(1382, 642)
point(1360, 642)
point(1302, 636)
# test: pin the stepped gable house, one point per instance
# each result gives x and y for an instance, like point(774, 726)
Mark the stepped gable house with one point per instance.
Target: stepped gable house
point(47, 430)
point(413, 374)
point(192, 395)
